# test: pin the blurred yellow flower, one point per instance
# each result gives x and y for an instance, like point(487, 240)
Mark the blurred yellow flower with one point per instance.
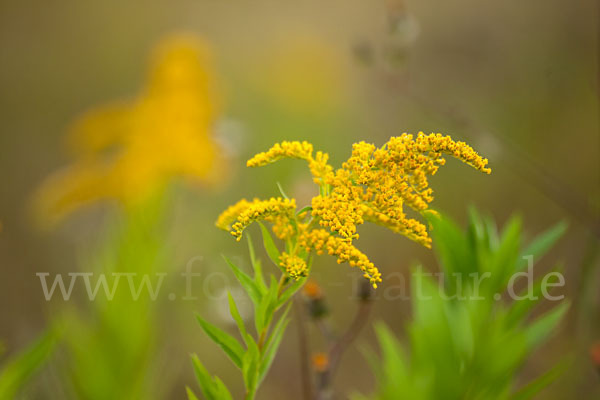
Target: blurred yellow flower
point(373, 185)
point(130, 150)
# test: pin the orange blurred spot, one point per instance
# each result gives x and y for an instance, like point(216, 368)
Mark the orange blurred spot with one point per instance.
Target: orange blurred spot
point(320, 362)
point(595, 353)
point(312, 290)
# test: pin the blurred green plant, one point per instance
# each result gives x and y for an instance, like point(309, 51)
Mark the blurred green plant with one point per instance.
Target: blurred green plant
point(464, 342)
point(130, 153)
point(254, 355)
point(110, 345)
point(15, 373)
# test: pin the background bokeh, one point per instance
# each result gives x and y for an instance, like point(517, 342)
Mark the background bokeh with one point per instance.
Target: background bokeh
point(517, 80)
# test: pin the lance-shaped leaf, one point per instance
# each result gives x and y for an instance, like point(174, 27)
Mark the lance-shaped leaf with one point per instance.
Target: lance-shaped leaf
point(272, 344)
point(230, 345)
point(247, 283)
point(233, 310)
point(269, 244)
point(256, 266)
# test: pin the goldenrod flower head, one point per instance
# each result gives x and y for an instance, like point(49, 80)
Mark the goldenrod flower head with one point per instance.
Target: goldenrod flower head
point(373, 185)
point(301, 150)
point(228, 216)
point(260, 210)
point(322, 241)
point(295, 266)
point(130, 150)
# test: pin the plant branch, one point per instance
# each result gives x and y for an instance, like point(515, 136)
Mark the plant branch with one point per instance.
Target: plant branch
point(340, 345)
point(303, 348)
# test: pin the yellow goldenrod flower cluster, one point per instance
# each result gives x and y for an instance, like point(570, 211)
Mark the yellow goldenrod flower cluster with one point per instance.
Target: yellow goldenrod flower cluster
point(373, 185)
point(245, 212)
point(293, 265)
point(301, 150)
point(130, 150)
point(321, 240)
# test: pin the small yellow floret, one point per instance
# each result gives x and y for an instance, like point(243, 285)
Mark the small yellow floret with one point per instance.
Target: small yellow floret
point(294, 266)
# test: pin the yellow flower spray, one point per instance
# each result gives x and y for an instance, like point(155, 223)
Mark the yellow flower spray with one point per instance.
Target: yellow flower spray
point(373, 185)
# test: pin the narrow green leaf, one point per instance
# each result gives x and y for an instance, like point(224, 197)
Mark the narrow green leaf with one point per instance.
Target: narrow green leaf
point(533, 388)
point(290, 291)
point(519, 310)
point(264, 312)
point(230, 345)
point(272, 344)
point(394, 359)
point(19, 369)
point(451, 247)
point(506, 256)
point(285, 196)
point(280, 321)
point(233, 310)
point(270, 247)
point(270, 309)
point(542, 243)
point(205, 381)
point(190, 394)
point(307, 208)
point(251, 249)
point(544, 326)
point(247, 283)
point(250, 366)
point(256, 266)
point(222, 391)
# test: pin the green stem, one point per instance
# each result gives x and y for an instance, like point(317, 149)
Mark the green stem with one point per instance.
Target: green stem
point(250, 395)
point(263, 334)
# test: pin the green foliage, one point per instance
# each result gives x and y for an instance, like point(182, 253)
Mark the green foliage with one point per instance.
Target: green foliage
point(464, 342)
point(17, 371)
point(110, 345)
point(252, 355)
